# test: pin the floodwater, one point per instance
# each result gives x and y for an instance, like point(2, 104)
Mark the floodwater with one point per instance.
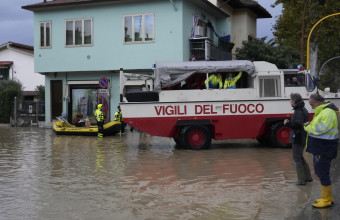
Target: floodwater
point(136, 176)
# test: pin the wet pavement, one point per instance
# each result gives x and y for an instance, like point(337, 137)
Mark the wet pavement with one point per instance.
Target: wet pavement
point(330, 213)
point(136, 176)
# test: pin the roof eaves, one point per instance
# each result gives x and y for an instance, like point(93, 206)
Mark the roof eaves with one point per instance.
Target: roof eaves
point(67, 3)
point(252, 5)
point(217, 8)
point(207, 5)
point(21, 47)
point(6, 63)
point(18, 47)
point(30, 93)
point(63, 3)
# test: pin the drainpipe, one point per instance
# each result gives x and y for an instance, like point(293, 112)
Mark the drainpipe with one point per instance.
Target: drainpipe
point(15, 111)
point(12, 73)
point(37, 112)
point(172, 2)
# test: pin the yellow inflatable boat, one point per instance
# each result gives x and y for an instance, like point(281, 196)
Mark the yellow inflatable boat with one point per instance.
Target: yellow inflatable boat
point(62, 127)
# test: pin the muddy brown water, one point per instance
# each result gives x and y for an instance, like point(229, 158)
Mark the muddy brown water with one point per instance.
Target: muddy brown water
point(136, 176)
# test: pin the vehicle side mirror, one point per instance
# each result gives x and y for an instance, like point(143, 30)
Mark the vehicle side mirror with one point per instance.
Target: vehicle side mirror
point(316, 81)
point(311, 84)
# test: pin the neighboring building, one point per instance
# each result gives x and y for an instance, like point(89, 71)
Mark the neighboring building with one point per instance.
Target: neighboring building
point(77, 42)
point(17, 63)
point(242, 18)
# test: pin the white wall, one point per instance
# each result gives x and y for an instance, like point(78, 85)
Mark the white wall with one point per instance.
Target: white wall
point(243, 24)
point(22, 68)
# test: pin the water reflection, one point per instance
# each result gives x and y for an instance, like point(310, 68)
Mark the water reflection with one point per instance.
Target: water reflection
point(135, 176)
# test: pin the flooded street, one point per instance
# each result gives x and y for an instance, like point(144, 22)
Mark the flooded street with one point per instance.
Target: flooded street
point(136, 176)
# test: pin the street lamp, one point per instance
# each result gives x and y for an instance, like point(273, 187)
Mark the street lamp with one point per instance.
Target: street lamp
point(310, 33)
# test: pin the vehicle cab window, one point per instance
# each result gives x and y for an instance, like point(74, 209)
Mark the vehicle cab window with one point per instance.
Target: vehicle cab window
point(294, 80)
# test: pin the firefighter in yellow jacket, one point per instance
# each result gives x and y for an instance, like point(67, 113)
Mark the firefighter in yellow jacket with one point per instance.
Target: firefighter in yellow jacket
point(214, 81)
point(119, 117)
point(100, 120)
point(230, 81)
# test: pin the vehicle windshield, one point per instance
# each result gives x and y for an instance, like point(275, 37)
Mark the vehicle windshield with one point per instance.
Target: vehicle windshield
point(310, 83)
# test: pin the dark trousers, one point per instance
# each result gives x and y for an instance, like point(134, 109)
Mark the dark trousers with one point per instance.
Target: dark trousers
point(298, 155)
point(122, 127)
point(322, 166)
point(100, 125)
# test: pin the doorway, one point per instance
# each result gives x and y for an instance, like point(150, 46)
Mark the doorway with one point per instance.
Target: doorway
point(56, 98)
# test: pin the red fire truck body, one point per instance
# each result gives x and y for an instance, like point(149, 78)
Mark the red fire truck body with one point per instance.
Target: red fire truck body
point(255, 109)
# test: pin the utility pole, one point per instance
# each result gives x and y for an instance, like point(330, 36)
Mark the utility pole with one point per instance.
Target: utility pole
point(302, 55)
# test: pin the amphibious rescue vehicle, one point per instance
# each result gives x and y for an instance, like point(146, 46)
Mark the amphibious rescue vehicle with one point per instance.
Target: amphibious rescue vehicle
point(174, 102)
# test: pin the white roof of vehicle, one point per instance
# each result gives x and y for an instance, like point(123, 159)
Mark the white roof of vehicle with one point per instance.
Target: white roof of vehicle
point(263, 66)
point(171, 73)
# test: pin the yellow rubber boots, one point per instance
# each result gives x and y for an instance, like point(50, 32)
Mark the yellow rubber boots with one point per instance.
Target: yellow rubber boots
point(326, 197)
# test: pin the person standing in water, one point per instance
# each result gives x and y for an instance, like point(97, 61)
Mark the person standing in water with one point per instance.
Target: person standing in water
point(100, 120)
point(298, 138)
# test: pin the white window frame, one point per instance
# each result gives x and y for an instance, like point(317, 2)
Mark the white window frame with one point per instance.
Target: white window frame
point(83, 35)
point(45, 22)
point(277, 86)
point(143, 28)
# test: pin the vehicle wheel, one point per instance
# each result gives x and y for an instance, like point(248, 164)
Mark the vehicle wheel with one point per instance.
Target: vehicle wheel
point(177, 136)
point(144, 96)
point(279, 135)
point(195, 137)
point(176, 141)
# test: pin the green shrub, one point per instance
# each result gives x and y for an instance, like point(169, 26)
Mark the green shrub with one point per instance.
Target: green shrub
point(9, 89)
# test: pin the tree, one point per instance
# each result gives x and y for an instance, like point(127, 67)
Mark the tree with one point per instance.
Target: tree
point(298, 17)
point(331, 76)
point(8, 90)
point(41, 92)
point(260, 50)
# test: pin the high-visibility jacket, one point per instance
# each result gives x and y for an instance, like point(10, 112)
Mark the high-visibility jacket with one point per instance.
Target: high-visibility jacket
point(118, 116)
point(230, 83)
point(325, 123)
point(217, 81)
point(99, 115)
point(323, 132)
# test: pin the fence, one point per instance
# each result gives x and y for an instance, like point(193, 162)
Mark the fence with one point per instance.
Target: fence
point(28, 113)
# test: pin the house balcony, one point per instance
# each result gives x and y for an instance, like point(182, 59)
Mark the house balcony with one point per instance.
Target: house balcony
point(204, 49)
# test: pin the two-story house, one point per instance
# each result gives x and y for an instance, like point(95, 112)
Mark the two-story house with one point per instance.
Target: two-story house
point(17, 63)
point(80, 42)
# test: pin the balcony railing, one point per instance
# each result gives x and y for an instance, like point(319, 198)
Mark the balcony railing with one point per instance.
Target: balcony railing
point(204, 49)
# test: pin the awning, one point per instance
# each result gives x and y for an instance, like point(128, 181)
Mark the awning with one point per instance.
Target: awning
point(6, 63)
point(170, 73)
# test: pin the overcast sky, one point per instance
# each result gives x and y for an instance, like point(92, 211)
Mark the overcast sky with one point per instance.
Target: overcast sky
point(265, 25)
point(16, 24)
